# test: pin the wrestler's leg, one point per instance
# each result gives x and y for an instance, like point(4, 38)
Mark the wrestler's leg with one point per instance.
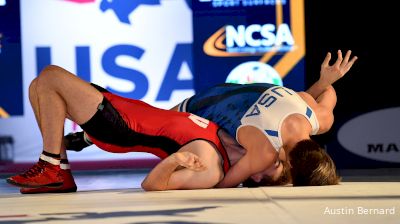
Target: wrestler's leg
point(55, 95)
point(60, 94)
point(34, 100)
point(68, 184)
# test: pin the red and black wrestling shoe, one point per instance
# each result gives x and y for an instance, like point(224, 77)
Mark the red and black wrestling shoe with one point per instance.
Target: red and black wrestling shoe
point(42, 174)
point(67, 186)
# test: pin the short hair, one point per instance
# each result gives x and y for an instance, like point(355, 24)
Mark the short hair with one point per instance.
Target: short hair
point(311, 165)
point(283, 179)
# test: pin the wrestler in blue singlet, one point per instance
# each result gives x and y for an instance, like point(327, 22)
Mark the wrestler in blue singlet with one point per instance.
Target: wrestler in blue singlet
point(261, 105)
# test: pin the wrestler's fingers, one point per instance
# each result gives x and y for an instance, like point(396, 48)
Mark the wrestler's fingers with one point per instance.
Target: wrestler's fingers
point(198, 166)
point(197, 162)
point(325, 63)
point(343, 66)
point(346, 57)
point(184, 159)
point(353, 60)
point(193, 161)
point(339, 59)
point(350, 63)
point(202, 168)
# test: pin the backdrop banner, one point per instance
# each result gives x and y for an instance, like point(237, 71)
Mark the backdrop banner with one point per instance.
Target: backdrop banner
point(137, 49)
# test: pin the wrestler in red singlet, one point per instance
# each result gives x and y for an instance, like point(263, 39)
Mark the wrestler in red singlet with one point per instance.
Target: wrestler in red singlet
point(123, 125)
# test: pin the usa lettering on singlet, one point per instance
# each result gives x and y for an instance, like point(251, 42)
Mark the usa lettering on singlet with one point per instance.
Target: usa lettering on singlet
point(272, 107)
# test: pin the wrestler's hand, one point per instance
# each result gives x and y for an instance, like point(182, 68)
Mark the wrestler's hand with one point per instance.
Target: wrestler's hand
point(331, 73)
point(189, 160)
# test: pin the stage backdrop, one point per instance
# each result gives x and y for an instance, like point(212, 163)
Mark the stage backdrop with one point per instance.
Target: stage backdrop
point(139, 49)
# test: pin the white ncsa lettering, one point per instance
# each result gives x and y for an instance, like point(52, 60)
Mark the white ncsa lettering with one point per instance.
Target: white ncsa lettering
point(270, 35)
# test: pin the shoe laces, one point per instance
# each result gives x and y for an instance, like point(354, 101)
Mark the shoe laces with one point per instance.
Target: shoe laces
point(35, 169)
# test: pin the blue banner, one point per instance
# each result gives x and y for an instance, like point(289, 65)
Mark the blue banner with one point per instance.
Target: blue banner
point(11, 99)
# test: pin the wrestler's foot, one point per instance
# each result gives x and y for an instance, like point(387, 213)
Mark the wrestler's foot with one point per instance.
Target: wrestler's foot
point(76, 141)
point(68, 185)
point(42, 174)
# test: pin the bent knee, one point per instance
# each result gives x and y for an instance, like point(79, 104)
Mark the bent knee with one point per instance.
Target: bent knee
point(50, 74)
point(33, 85)
point(51, 71)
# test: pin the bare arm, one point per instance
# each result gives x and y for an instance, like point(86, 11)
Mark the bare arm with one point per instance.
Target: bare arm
point(331, 73)
point(237, 173)
point(259, 156)
point(186, 170)
point(323, 94)
point(160, 177)
point(323, 107)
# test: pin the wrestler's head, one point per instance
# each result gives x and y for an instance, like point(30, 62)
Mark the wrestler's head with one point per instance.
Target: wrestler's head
point(279, 174)
point(311, 165)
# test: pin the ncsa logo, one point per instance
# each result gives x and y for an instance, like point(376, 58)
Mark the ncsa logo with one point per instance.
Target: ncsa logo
point(253, 39)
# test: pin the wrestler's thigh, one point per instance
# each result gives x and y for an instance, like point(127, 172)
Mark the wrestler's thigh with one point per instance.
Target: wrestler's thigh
point(80, 97)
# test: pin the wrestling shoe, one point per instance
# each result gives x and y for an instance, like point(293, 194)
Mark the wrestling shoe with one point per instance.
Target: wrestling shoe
point(76, 141)
point(68, 185)
point(42, 174)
